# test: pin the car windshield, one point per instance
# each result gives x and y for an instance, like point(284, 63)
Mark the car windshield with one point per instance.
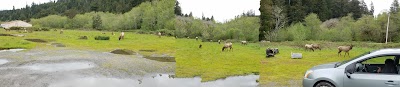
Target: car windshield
point(344, 62)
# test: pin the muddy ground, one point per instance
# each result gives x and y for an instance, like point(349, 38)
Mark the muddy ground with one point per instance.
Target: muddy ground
point(44, 67)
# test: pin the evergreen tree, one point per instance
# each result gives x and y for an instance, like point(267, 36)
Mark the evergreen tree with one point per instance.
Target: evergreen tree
point(265, 19)
point(364, 7)
point(97, 22)
point(178, 10)
point(371, 12)
point(212, 18)
point(395, 7)
point(190, 14)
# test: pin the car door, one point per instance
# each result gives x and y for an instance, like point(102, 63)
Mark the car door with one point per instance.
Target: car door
point(373, 79)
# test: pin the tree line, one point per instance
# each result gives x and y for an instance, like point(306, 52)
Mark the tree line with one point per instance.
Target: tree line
point(347, 28)
point(276, 14)
point(157, 15)
point(68, 8)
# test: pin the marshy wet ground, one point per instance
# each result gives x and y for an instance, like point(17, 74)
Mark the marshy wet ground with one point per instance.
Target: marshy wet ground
point(63, 67)
point(59, 66)
point(158, 80)
point(3, 61)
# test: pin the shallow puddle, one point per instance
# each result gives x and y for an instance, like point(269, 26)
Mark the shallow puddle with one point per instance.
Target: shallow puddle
point(59, 66)
point(3, 61)
point(160, 80)
point(123, 52)
point(11, 50)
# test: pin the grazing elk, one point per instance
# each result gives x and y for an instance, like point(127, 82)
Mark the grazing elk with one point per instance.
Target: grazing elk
point(159, 34)
point(227, 45)
point(244, 42)
point(309, 46)
point(316, 46)
point(61, 31)
point(346, 49)
point(121, 36)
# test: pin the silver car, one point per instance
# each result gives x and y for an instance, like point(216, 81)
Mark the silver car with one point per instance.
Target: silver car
point(378, 68)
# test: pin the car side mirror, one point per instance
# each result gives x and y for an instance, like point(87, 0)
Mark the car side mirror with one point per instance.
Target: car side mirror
point(350, 69)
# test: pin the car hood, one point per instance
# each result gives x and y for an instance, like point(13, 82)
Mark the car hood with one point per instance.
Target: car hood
point(324, 66)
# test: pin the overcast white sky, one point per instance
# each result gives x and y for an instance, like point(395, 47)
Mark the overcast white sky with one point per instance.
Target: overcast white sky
point(222, 10)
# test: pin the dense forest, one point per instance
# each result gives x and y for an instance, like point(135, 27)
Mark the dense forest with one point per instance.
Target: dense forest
point(351, 22)
point(157, 15)
point(278, 13)
point(68, 8)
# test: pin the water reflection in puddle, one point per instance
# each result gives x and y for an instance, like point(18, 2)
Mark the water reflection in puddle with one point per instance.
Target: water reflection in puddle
point(59, 66)
point(11, 50)
point(162, 80)
point(3, 61)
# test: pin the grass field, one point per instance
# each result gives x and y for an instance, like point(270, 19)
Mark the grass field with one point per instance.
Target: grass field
point(282, 69)
point(132, 41)
point(208, 62)
point(211, 63)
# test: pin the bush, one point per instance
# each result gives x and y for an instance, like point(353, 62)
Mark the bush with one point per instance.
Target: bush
point(166, 32)
point(16, 28)
point(102, 38)
point(45, 29)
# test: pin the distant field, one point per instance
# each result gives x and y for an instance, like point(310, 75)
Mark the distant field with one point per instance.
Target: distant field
point(132, 41)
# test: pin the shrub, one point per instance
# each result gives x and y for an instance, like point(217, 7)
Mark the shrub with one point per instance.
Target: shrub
point(102, 38)
point(45, 29)
point(16, 28)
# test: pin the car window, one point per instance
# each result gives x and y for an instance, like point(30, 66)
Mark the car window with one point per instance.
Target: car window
point(378, 60)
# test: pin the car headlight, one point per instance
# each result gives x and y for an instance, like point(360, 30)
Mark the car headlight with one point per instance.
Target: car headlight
point(308, 73)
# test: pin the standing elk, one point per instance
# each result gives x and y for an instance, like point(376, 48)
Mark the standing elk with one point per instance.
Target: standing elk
point(309, 46)
point(346, 49)
point(227, 45)
point(244, 42)
point(316, 46)
point(159, 34)
point(121, 36)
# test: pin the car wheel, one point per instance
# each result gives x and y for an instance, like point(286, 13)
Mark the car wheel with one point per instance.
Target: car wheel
point(324, 84)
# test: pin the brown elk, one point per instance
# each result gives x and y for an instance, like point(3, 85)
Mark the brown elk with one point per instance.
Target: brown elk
point(227, 45)
point(346, 49)
point(244, 42)
point(121, 36)
point(309, 46)
point(159, 34)
point(316, 46)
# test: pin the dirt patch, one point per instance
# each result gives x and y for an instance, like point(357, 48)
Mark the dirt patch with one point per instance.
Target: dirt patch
point(161, 58)
point(37, 40)
point(6, 35)
point(148, 50)
point(58, 44)
point(123, 52)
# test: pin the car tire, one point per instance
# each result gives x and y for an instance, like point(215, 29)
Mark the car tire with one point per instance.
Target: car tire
point(324, 84)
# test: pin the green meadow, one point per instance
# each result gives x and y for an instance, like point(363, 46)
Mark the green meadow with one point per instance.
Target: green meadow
point(208, 62)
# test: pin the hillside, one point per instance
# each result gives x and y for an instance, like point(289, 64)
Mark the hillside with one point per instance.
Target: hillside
point(68, 8)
